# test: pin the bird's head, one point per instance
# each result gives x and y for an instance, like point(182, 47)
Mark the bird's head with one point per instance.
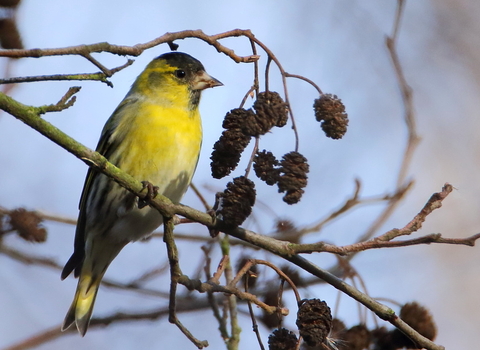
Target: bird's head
point(177, 77)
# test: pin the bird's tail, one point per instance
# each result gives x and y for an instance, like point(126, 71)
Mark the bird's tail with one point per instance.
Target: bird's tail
point(81, 309)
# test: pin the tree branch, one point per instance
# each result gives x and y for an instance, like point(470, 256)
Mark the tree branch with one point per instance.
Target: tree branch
point(136, 50)
point(99, 76)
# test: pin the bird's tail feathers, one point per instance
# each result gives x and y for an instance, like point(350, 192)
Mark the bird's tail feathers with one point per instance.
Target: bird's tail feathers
point(81, 309)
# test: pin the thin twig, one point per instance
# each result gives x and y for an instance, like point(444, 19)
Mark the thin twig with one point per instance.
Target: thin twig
point(415, 224)
point(252, 262)
point(99, 76)
point(222, 324)
point(104, 69)
point(252, 156)
point(59, 77)
point(234, 340)
point(65, 102)
point(407, 95)
point(392, 204)
point(247, 95)
point(311, 82)
point(175, 274)
point(267, 73)
point(409, 118)
point(44, 216)
point(253, 318)
point(351, 202)
point(256, 83)
point(200, 196)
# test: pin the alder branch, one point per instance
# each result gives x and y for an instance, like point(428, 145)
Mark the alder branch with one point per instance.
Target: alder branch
point(385, 240)
point(433, 203)
point(212, 287)
point(86, 52)
point(99, 76)
point(376, 244)
point(138, 49)
point(45, 216)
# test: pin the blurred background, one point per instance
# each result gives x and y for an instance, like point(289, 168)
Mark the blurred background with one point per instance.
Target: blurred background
point(338, 44)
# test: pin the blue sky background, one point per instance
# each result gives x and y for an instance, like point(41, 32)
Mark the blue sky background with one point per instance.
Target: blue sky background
point(338, 44)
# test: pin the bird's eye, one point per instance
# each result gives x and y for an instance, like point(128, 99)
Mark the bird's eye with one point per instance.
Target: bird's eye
point(180, 73)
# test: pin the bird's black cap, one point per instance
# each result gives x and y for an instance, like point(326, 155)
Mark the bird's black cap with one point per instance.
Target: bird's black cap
point(182, 60)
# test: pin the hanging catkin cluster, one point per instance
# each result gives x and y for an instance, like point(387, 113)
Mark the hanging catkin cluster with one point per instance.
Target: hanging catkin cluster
point(271, 111)
point(290, 174)
point(236, 201)
point(241, 125)
point(228, 149)
point(293, 176)
point(265, 166)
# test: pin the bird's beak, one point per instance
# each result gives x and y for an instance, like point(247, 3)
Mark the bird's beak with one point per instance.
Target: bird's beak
point(204, 81)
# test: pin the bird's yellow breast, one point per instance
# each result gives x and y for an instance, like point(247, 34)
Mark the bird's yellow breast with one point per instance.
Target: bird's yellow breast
point(162, 146)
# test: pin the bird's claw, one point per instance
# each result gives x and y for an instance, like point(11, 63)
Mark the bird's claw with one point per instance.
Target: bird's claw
point(152, 192)
point(213, 213)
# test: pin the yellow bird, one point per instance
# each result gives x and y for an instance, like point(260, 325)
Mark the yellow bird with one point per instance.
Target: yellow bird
point(155, 135)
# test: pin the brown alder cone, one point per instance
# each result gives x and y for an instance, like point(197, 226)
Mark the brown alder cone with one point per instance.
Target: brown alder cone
point(330, 111)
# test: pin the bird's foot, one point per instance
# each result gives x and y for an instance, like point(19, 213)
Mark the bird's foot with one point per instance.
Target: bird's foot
point(213, 213)
point(152, 192)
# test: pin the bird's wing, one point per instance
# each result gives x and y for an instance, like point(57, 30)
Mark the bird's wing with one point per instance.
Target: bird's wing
point(105, 147)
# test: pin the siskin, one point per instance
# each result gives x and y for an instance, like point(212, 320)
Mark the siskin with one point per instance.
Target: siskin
point(155, 134)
